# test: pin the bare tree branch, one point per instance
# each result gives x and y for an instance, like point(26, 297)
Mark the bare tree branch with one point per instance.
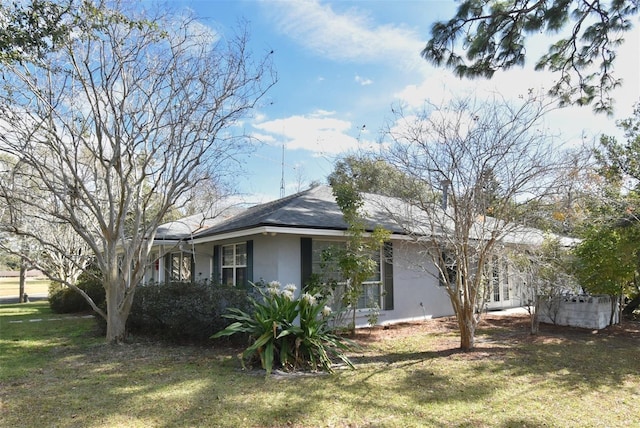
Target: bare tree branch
point(122, 121)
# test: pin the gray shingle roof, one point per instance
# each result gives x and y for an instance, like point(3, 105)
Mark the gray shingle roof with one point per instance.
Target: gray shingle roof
point(186, 227)
point(314, 208)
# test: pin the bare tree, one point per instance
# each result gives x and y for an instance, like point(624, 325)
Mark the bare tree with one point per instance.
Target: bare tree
point(38, 239)
point(544, 275)
point(116, 126)
point(481, 163)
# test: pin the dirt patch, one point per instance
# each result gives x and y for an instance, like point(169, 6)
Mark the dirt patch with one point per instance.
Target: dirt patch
point(496, 327)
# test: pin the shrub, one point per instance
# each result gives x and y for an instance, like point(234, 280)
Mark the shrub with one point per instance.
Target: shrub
point(183, 311)
point(286, 332)
point(64, 300)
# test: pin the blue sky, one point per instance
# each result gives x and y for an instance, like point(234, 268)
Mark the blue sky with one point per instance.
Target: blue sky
point(342, 65)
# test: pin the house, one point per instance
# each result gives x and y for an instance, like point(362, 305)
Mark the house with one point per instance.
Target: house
point(283, 240)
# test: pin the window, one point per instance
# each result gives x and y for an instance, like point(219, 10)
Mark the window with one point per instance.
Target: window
point(495, 281)
point(372, 292)
point(234, 264)
point(505, 281)
point(180, 267)
point(498, 280)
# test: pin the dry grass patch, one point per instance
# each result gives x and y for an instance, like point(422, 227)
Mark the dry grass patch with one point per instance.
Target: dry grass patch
point(10, 287)
point(407, 376)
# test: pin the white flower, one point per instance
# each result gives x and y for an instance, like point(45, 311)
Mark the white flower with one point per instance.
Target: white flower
point(287, 294)
point(273, 288)
point(311, 300)
point(290, 287)
point(326, 311)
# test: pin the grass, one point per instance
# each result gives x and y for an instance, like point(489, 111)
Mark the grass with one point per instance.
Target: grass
point(10, 287)
point(56, 373)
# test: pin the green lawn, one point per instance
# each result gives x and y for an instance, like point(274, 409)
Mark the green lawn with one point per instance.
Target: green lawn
point(11, 286)
point(54, 372)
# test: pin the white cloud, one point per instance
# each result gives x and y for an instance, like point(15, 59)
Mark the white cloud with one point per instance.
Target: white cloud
point(442, 86)
point(351, 36)
point(363, 80)
point(575, 123)
point(319, 132)
point(263, 138)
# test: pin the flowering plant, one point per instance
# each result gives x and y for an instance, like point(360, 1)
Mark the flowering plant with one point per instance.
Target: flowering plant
point(288, 332)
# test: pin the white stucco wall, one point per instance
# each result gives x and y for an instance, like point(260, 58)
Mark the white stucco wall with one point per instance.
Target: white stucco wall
point(417, 294)
point(277, 258)
point(203, 260)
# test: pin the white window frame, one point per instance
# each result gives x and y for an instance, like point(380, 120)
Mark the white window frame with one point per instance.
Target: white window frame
point(235, 265)
point(363, 301)
point(499, 286)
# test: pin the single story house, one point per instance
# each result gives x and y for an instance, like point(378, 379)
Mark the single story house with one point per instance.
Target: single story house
point(283, 240)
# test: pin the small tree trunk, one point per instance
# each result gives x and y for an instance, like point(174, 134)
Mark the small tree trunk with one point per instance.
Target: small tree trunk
point(467, 325)
point(535, 318)
point(23, 280)
point(353, 320)
point(632, 305)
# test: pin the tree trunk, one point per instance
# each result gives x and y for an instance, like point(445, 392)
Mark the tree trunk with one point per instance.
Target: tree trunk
point(118, 307)
point(535, 317)
point(23, 280)
point(467, 325)
point(116, 326)
point(632, 305)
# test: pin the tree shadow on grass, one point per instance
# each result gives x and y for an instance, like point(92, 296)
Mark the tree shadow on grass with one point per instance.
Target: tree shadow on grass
point(188, 386)
point(406, 359)
point(572, 358)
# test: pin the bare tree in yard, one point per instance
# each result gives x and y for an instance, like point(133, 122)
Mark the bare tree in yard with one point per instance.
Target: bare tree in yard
point(116, 125)
point(39, 240)
point(486, 159)
point(544, 273)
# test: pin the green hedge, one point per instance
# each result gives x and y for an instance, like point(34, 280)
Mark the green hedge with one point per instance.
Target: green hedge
point(65, 300)
point(182, 311)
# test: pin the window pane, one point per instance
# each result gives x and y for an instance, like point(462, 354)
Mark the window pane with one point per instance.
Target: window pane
point(496, 282)
point(505, 281)
point(241, 255)
point(227, 255)
point(370, 297)
point(329, 269)
point(227, 276)
point(376, 276)
point(241, 276)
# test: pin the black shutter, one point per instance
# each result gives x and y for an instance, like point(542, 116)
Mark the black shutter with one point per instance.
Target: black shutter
point(306, 258)
point(249, 265)
point(388, 275)
point(215, 275)
point(168, 259)
point(192, 258)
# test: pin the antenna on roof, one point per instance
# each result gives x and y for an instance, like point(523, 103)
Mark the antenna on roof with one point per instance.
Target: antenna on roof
point(282, 174)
